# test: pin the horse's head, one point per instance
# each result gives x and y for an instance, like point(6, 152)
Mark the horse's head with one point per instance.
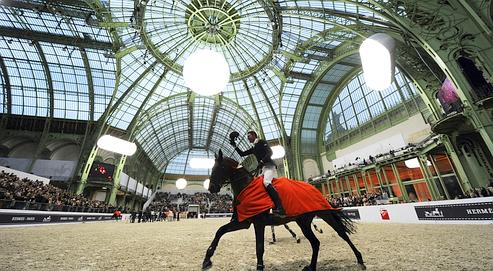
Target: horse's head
point(221, 172)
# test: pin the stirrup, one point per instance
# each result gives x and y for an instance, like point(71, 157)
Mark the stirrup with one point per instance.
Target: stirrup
point(278, 213)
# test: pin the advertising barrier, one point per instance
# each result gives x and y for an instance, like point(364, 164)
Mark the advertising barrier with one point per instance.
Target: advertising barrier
point(352, 213)
point(463, 211)
point(13, 217)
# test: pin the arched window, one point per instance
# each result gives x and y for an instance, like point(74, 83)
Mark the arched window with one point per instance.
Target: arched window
point(357, 105)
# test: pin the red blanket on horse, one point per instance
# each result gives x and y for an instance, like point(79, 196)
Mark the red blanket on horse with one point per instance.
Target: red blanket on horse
point(297, 198)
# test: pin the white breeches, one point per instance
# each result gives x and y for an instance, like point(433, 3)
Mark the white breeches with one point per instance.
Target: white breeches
point(269, 173)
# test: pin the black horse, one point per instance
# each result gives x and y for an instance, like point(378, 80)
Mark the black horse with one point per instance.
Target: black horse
point(226, 170)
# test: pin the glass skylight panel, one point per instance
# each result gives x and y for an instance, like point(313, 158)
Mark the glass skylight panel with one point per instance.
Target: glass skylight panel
point(11, 17)
point(270, 89)
point(288, 107)
point(295, 86)
point(392, 99)
point(26, 74)
point(307, 68)
point(140, 91)
point(308, 141)
point(321, 93)
point(122, 10)
point(132, 67)
point(103, 77)
point(202, 114)
point(312, 115)
point(69, 80)
point(181, 163)
point(4, 17)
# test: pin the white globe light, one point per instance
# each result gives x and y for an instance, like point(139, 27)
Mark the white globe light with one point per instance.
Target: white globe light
point(207, 182)
point(278, 152)
point(181, 183)
point(376, 53)
point(206, 72)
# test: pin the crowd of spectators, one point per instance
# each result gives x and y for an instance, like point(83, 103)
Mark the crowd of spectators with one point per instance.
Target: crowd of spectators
point(23, 193)
point(382, 197)
point(208, 203)
point(480, 192)
point(366, 199)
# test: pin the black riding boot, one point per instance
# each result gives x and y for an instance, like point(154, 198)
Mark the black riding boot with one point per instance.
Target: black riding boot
point(279, 211)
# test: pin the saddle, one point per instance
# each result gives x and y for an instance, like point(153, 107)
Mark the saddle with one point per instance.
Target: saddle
point(297, 198)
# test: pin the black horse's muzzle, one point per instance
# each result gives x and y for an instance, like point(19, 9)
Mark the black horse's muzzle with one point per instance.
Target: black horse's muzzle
point(214, 188)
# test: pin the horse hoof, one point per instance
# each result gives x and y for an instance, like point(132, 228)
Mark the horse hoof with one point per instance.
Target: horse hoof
point(298, 241)
point(206, 264)
point(321, 231)
point(362, 266)
point(307, 268)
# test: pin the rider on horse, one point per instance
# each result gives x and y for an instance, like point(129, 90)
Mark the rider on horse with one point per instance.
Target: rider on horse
point(262, 151)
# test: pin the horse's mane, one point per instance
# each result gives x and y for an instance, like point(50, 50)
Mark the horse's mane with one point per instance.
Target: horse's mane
point(231, 161)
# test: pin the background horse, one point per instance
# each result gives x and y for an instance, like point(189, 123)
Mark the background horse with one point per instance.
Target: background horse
point(274, 240)
point(298, 240)
point(227, 170)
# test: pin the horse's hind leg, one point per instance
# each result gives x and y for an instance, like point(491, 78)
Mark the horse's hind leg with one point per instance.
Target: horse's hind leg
point(305, 225)
point(336, 223)
point(231, 226)
point(298, 240)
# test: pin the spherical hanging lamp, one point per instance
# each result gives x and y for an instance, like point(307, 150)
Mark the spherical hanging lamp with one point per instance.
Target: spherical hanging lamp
point(206, 72)
point(181, 183)
point(377, 59)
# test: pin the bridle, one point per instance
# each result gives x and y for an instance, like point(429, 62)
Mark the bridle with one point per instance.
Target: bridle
point(236, 174)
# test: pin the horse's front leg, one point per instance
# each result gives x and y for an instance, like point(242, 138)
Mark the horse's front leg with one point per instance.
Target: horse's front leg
point(259, 240)
point(231, 226)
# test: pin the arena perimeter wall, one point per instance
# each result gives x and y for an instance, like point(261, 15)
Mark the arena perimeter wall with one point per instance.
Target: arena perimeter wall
point(21, 217)
point(463, 211)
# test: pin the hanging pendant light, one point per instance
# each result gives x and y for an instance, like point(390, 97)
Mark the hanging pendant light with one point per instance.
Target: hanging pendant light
point(377, 59)
point(206, 72)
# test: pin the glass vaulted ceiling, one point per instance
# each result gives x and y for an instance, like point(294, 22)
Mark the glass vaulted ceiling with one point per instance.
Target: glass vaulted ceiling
point(261, 41)
point(53, 60)
point(274, 48)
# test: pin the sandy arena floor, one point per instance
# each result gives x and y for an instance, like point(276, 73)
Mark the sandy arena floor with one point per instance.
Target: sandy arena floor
point(182, 245)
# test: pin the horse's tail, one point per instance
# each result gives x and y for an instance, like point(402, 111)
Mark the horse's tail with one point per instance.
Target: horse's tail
point(339, 221)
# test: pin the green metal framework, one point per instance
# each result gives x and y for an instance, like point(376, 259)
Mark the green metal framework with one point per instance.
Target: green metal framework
point(117, 66)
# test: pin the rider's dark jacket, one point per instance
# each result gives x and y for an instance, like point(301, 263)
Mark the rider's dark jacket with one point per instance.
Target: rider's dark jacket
point(262, 152)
